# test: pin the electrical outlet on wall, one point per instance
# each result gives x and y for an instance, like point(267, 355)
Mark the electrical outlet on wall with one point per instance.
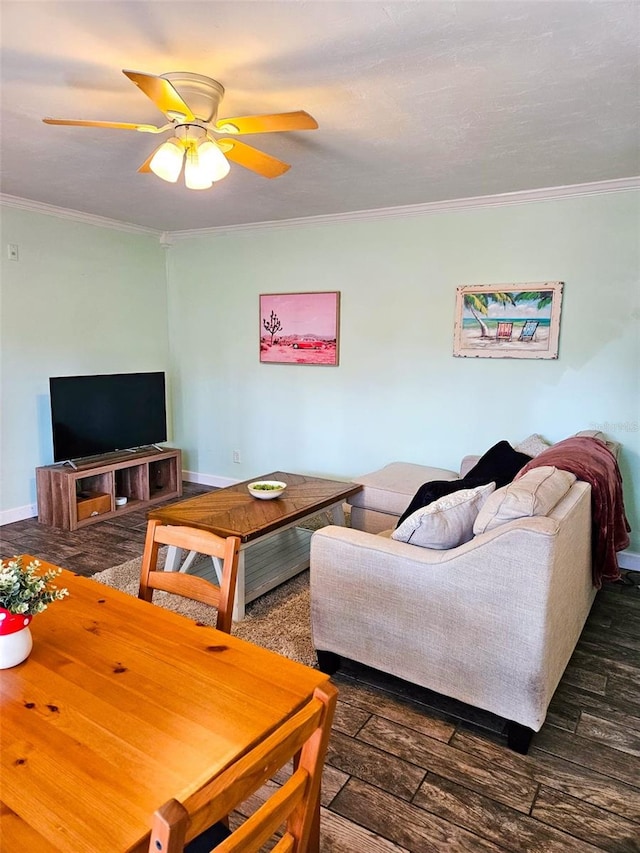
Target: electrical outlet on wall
point(236, 456)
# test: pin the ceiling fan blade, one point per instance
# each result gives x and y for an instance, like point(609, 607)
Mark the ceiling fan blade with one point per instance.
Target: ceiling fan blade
point(162, 93)
point(145, 166)
point(299, 120)
point(118, 125)
point(249, 157)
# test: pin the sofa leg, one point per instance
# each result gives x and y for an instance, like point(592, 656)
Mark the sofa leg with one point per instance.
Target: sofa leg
point(519, 737)
point(329, 662)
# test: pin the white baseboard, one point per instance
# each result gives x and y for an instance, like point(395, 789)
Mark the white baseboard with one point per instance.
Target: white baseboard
point(18, 513)
point(208, 479)
point(629, 560)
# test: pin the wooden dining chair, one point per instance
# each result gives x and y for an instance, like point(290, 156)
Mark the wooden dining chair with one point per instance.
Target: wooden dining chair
point(226, 550)
point(200, 823)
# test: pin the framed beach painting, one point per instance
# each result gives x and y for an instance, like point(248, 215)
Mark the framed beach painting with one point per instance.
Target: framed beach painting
point(508, 320)
point(299, 328)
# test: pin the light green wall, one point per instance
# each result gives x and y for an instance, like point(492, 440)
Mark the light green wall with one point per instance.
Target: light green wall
point(80, 299)
point(87, 299)
point(398, 393)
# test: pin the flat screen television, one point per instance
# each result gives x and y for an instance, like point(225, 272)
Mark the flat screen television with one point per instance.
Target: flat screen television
point(92, 415)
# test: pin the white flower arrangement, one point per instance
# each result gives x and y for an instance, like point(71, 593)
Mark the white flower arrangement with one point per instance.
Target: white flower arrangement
point(24, 590)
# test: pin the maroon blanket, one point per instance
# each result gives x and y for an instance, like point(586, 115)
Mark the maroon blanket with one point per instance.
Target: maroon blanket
point(592, 461)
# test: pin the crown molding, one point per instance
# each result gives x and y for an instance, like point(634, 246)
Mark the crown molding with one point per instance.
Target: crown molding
point(167, 238)
point(75, 215)
point(474, 203)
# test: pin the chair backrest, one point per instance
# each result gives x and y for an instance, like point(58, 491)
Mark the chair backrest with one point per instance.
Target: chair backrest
point(294, 805)
point(226, 550)
point(504, 331)
point(528, 330)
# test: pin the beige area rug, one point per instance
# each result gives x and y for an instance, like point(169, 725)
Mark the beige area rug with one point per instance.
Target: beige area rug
point(279, 620)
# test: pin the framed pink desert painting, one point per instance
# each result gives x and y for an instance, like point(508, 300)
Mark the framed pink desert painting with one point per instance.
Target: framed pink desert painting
point(508, 320)
point(299, 328)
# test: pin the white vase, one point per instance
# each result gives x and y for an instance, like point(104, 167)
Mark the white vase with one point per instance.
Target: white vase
point(16, 645)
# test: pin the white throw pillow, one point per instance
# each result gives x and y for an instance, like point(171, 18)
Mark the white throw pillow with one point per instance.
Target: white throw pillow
point(533, 446)
point(445, 523)
point(535, 493)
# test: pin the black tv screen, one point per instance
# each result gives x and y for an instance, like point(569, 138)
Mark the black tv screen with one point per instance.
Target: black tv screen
point(92, 415)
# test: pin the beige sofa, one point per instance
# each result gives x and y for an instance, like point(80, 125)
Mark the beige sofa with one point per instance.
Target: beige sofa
point(492, 622)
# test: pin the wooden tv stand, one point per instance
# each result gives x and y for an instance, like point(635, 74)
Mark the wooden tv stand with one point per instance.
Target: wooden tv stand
point(70, 498)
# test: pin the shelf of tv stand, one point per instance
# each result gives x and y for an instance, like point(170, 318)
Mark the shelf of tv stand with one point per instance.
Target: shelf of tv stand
point(144, 477)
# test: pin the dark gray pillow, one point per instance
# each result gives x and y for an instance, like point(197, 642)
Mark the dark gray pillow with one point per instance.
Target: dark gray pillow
point(498, 465)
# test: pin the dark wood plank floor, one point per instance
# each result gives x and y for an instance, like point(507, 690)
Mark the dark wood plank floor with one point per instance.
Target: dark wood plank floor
point(411, 772)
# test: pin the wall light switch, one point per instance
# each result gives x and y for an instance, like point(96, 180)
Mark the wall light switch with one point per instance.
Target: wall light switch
point(12, 251)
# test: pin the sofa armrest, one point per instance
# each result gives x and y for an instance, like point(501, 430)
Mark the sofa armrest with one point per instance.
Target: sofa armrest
point(467, 464)
point(613, 446)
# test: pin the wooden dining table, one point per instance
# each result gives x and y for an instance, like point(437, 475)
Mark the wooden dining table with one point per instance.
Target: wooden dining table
point(120, 706)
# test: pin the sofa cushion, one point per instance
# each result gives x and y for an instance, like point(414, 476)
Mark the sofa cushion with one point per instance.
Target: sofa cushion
point(533, 445)
point(535, 493)
point(446, 522)
point(498, 465)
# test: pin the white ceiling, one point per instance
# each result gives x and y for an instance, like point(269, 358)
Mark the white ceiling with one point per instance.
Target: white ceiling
point(417, 102)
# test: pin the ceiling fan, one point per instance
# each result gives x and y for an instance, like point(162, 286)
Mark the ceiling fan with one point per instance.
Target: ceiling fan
point(190, 102)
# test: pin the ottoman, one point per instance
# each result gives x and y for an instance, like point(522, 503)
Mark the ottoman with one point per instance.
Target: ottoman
point(387, 492)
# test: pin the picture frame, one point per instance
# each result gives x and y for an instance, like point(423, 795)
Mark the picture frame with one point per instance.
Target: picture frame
point(508, 320)
point(300, 328)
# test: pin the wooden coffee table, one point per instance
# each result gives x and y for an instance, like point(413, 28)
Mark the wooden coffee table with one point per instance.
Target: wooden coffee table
point(273, 548)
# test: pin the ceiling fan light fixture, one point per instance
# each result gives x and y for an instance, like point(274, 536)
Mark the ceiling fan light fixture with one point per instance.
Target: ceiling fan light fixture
point(195, 176)
point(166, 163)
point(190, 103)
point(213, 161)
